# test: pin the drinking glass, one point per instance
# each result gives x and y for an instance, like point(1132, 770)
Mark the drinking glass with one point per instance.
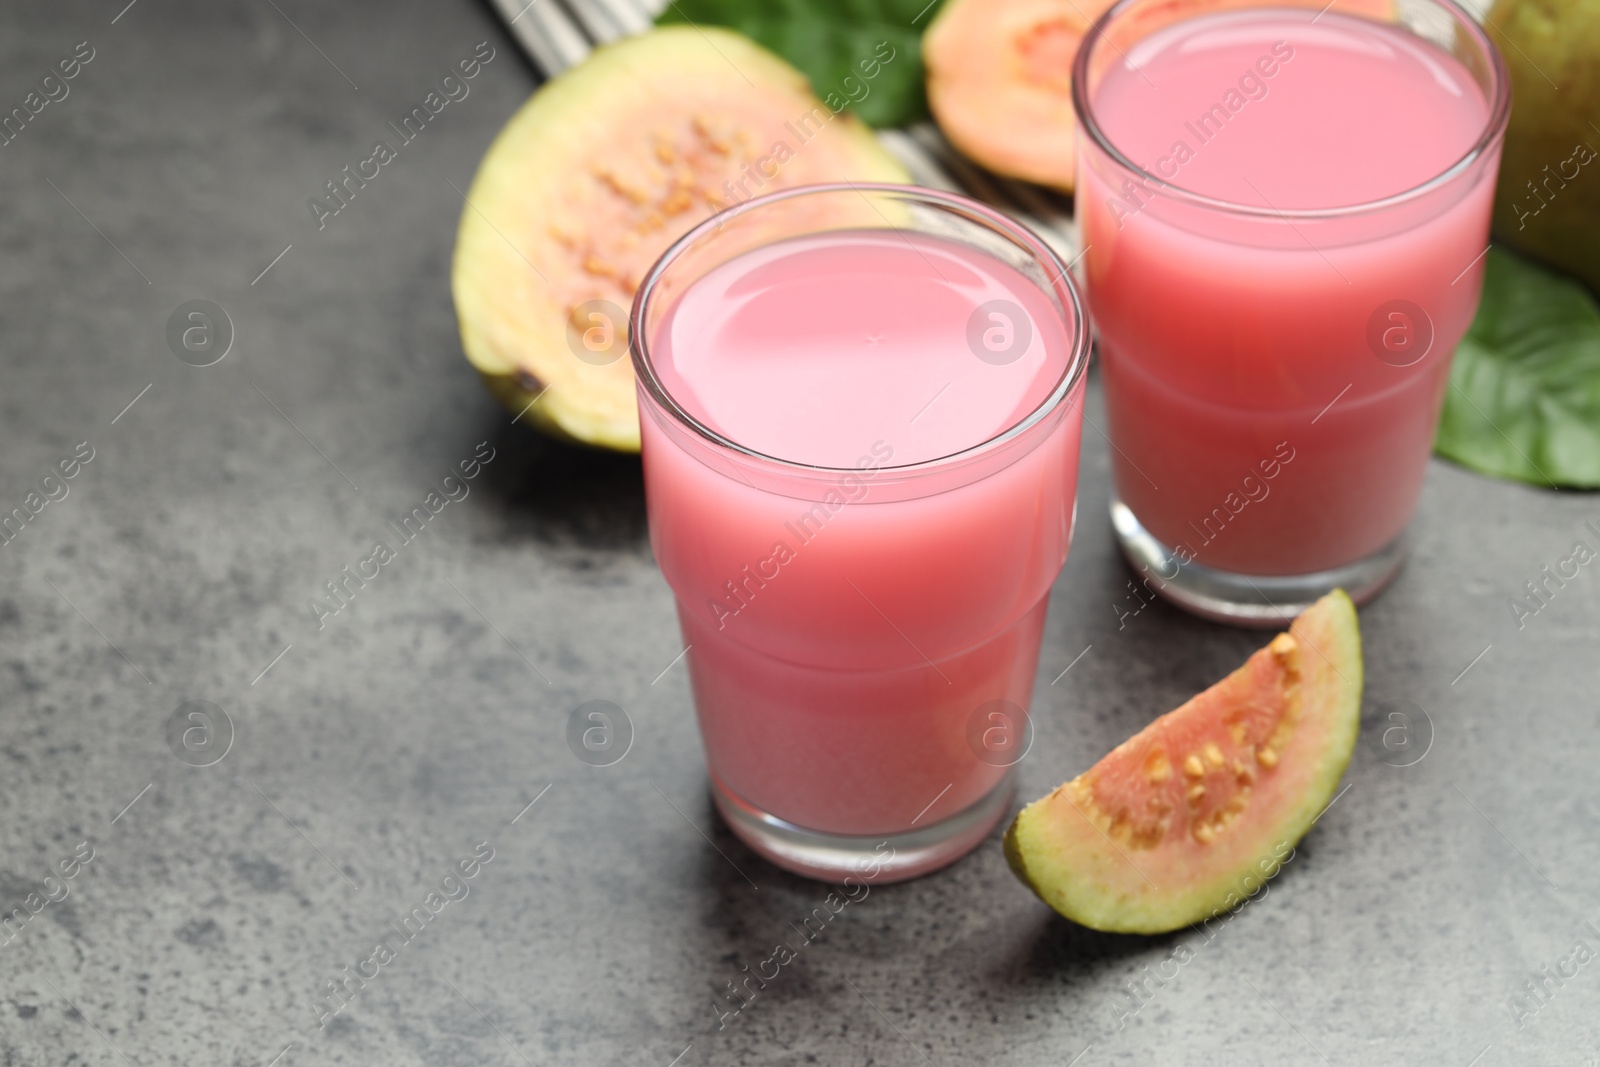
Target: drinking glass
point(1273, 378)
point(863, 692)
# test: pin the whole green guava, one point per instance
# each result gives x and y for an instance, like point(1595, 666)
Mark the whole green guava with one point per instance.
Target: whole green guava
point(1547, 204)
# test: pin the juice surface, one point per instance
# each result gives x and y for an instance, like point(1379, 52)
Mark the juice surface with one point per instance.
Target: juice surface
point(1351, 111)
point(811, 349)
point(1258, 429)
point(844, 632)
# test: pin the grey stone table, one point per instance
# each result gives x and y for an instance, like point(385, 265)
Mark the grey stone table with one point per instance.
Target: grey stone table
point(347, 771)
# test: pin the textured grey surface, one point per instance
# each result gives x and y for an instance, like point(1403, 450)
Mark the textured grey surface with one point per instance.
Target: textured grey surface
point(378, 752)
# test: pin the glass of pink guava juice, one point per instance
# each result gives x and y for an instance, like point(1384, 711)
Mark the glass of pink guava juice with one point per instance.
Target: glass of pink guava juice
point(1285, 208)
point(860, 409)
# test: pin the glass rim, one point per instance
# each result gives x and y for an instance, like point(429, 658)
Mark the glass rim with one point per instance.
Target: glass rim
point(1061, 284)
point(1493, 129)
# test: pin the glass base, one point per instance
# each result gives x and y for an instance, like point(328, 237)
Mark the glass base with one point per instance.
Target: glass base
point(1247, 599)
point(876, 858)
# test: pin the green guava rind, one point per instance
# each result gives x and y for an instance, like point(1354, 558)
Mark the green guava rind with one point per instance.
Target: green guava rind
point(1075, 867)
point(595, 176)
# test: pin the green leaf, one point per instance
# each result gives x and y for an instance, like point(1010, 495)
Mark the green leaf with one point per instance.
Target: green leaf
point(1524, 396)
point(832, 40)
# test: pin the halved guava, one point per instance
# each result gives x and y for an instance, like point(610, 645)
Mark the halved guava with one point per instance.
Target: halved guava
point(596, 175)
point(1000, 82)
point(1195, 812)
point(1000, 76)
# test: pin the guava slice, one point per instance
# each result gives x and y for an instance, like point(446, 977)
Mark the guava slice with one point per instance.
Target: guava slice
point(1195, 812)
point(1000, 76)
point(594, 177)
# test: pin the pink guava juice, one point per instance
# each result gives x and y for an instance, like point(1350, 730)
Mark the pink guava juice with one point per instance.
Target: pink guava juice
point(1278, 295)
point(863, 556)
